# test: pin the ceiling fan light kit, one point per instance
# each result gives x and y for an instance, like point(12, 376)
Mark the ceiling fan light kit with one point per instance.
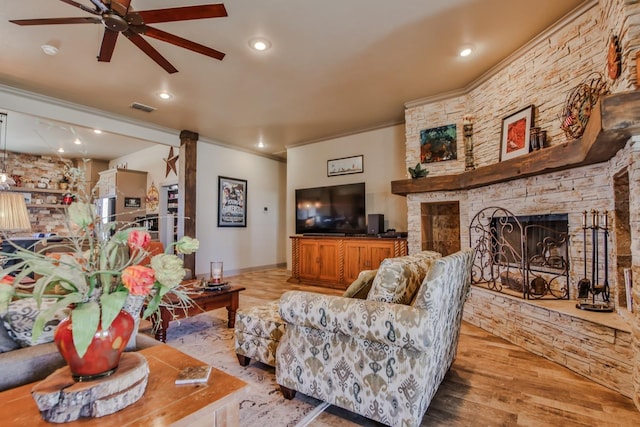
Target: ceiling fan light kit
point(118, 17)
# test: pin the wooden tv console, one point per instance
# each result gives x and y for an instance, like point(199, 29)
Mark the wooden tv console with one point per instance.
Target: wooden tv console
point(336, 261)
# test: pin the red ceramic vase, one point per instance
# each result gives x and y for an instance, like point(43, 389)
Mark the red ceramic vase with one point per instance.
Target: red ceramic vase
point(102, 356)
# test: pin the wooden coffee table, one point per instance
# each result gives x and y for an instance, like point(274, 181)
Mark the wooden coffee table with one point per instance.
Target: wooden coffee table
point(163, 404)
point(202, 301)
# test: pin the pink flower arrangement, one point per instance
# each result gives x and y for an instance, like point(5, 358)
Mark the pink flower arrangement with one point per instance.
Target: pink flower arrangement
point(98, 270)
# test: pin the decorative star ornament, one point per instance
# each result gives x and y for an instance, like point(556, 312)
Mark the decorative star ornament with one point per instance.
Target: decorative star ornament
point(171, 163)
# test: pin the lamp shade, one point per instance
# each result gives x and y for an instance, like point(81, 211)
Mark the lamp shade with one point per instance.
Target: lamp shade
point(13, 212)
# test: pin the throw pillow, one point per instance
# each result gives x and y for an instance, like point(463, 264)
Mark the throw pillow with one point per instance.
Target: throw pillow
point(361, 286)
point(398, 279)
point(21, 316)
point(6, 343)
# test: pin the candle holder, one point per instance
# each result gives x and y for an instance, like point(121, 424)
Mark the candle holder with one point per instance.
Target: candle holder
point(215, 274)
point(467, 127)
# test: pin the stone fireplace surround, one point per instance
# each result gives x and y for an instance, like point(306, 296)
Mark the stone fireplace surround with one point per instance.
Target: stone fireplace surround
point(599, 346)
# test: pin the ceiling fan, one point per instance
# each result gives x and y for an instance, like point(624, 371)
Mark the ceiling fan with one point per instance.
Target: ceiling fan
point(117, 17)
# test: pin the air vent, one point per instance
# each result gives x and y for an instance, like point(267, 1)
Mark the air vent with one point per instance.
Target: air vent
point(142, 107)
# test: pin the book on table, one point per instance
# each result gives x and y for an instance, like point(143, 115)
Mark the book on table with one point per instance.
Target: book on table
point(194, 374)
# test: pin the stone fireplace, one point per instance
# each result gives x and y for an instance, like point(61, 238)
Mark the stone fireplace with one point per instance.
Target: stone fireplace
point(599, 171)
point(596, 345)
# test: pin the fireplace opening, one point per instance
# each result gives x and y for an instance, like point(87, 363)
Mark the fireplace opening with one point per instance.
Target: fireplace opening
point(532, 238)
point(440, 227)
point(521, 255)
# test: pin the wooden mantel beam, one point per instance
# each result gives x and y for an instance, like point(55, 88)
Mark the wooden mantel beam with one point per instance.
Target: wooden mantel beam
point(613, 121)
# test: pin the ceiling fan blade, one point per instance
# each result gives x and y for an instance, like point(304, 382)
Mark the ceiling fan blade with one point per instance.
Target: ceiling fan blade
point(121, 7)
point(150, 51)
point(179, 41)
point(54, 21)
point(100, 7)
point(83, 7)
point(108, 45)
point(183, 13)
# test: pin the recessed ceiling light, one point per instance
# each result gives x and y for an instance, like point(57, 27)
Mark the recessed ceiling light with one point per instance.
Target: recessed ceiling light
point(466, 51)
point(49, 50)
point(165, 95)
point(77, 141)
point(260, 144)
point(60, 150)
point(260, 44)
point(97, 131)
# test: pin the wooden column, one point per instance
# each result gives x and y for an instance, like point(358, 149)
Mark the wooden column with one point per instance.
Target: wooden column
point(187, 182)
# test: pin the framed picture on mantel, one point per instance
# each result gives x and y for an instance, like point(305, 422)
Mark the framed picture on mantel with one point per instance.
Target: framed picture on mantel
point(516, 130)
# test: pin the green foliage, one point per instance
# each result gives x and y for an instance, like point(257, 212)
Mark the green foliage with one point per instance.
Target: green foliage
point(88, 270)
point(418, 171)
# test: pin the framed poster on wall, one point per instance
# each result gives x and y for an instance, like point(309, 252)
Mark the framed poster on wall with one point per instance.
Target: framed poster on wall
point(232, 202)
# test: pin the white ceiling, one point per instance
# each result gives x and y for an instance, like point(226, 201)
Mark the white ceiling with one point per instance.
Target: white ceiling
point(26, 133)
point(336, 67)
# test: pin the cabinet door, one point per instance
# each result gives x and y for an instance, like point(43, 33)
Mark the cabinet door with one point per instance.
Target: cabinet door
point(378, 252)
point(107, 186)
point(309, 261)
point(328, 262)
point(356, 259)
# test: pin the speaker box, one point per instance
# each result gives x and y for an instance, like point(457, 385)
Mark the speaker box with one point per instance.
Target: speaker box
point(375, 224)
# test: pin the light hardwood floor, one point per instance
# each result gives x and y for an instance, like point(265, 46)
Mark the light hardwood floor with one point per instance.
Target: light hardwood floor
point(492, 382)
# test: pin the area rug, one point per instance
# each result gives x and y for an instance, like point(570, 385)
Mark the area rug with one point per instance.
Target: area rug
point(206, 337)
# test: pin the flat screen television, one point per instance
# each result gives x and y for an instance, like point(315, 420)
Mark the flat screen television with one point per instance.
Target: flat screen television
point(336, 209)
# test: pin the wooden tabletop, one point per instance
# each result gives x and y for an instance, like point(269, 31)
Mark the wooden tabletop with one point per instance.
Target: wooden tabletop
point(163, 403)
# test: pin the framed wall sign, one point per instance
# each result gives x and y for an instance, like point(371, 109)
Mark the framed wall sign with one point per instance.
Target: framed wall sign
point(132, 202)
point(516, 131)
point(345, 165)
point(232, 202)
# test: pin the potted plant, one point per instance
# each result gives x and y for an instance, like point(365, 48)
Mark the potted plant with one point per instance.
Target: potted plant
point(98, 272)
point(418, 171)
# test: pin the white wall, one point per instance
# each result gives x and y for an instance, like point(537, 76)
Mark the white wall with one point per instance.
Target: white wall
point(150, 160)
point(384, 156)
point(262, 243)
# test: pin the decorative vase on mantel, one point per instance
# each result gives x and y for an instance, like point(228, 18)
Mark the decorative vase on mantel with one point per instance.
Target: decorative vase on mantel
point(104, 352)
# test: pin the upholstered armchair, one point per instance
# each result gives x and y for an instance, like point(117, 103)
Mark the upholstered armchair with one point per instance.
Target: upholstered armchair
point(383, 360)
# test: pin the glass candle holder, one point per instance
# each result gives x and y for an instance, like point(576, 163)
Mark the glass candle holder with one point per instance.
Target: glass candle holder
point(215, 271)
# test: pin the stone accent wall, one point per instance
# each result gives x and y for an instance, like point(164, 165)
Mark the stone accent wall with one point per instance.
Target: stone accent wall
point(542, 75)
point(566, 192)
point(634, 213)
point(599, 352)
point(31, 167)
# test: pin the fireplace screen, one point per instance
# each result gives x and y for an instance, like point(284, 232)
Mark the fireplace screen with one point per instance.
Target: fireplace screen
point(525, 255)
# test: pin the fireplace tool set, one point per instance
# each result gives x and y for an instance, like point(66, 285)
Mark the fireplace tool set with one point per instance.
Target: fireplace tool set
point(593, 295)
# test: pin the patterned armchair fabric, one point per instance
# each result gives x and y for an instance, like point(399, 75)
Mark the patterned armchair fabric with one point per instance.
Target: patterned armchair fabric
point(382, 360)
point(258, 331)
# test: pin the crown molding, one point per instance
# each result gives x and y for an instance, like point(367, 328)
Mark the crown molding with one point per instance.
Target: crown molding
point(28, 101)
point(345, 134)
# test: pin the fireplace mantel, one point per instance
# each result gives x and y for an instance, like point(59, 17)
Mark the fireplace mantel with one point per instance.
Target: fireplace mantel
point(614, 119)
